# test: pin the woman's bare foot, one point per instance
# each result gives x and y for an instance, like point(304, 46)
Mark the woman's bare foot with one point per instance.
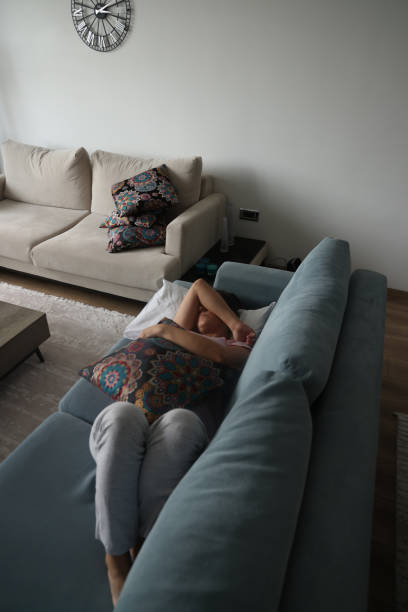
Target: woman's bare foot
point(118, 567)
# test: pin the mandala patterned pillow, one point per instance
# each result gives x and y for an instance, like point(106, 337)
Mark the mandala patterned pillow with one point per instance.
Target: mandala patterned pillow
point(134, 237)
point(154, 374)
point(148, 191)
point(146, 220)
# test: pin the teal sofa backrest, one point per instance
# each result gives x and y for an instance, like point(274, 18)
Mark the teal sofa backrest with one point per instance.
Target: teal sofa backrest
point(233, 515)
point(301, 333)
point(330, 559)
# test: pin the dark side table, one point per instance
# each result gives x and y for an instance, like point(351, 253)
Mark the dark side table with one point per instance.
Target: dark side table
point(244, 250)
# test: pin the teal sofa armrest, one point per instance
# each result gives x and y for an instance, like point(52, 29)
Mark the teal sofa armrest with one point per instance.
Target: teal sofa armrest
point(50, 560)
point(254, 285)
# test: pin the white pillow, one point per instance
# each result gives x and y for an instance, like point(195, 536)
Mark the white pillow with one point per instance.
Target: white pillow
point(256, 318)
point(164, 303)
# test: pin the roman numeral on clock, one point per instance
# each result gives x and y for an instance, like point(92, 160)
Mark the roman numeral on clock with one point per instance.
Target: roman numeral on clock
point(119, 26)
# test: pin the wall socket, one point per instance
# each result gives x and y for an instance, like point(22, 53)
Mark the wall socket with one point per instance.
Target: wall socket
point(249, 214)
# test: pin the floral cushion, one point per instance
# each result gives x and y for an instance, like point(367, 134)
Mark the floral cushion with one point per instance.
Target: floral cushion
point(113, 220)
point(154, 374)
point(135, 237)
point(146, 220)
point(148, 191)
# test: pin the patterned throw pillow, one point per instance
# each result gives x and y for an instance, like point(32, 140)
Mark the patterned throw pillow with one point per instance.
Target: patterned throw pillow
point(154, 374)
point(146, 220)
point(114, 220)
point(134, 237)
point(148, 191)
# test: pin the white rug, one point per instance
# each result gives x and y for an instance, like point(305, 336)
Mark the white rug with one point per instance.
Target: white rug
point(80, 334)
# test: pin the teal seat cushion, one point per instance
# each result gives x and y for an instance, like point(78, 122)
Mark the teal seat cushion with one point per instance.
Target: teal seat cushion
point(223, 538)
point(301, 334)
point(50, 560)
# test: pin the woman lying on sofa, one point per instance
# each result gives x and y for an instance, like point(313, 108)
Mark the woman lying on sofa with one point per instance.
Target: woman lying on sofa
point(137, 464)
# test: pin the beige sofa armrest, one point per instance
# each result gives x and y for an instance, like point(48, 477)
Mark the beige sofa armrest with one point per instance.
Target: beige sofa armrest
point(2, 185)
point(196, 230)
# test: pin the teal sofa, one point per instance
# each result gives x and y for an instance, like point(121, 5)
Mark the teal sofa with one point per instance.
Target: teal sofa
point(276, 513)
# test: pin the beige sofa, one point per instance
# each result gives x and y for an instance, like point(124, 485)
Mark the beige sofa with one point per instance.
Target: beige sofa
point(51, 205)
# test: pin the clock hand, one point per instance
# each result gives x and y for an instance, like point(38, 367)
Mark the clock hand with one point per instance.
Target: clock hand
point(102, 9)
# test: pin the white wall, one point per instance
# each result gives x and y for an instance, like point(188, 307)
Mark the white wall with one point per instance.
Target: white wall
point(298, 107)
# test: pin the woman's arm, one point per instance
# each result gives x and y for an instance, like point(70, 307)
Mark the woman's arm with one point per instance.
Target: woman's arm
point(202, 294)
point(232, 356)
point(187, 312)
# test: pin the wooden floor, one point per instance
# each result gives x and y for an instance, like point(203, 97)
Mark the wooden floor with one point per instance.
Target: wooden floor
point(394, 399)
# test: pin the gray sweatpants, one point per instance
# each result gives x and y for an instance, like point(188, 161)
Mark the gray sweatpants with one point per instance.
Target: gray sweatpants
point(137, 467)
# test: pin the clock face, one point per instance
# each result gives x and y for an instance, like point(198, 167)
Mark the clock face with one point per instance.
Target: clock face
point(101, 25)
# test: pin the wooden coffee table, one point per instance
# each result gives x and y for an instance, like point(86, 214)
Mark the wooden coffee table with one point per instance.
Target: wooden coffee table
point(22, 330)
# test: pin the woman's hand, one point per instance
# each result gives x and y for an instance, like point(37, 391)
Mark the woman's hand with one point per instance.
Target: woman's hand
point(243, 333)
point(154, 331)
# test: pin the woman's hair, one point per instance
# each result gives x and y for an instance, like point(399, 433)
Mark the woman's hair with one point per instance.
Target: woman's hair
point(231, 299)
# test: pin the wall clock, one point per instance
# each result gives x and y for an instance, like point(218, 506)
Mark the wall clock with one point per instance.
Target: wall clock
point(101, 25)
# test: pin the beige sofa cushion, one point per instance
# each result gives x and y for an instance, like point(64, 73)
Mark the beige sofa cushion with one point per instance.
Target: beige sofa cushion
point(82, 251)
point(110, 168)
point(23, 225)
point(47, 177)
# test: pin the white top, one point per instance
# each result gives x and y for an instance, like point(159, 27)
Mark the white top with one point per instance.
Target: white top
point(226, 341)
